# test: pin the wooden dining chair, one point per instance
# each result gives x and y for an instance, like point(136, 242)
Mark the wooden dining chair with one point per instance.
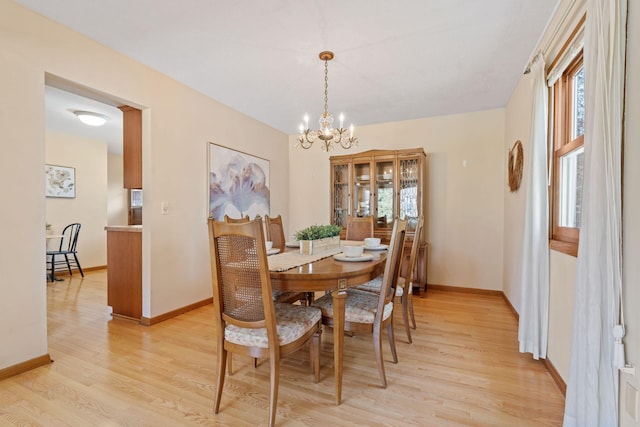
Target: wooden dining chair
point(275, 234)
point(368, 312)
point(359, 228)
point(403, 291)
point(275, 231)
point(245, 218)
point(247, 320)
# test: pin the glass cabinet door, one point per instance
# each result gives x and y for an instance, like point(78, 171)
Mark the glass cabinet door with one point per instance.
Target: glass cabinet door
point(340, 182)
point(362, 189)
point(409, 170)
point(385, 200)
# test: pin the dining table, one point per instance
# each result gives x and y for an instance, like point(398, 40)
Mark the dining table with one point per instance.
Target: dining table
point(330, 275)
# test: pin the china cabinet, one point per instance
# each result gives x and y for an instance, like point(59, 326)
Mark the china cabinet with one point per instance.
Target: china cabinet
point(385, 184)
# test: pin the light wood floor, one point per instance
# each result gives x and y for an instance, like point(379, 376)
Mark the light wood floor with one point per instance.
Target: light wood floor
point(463, 368)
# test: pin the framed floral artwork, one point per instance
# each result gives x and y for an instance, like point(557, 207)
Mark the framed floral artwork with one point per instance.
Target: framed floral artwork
point(60, 181)
point(238, 184)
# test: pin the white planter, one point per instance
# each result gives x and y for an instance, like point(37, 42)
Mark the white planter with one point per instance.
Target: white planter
point(308, 247)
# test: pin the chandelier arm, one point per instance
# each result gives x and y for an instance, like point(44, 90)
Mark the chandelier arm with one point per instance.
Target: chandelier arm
point(348, 142)
point(302, 143)
point(306, 136)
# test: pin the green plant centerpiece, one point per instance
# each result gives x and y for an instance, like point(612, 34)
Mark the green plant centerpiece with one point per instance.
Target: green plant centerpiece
point(318, 238)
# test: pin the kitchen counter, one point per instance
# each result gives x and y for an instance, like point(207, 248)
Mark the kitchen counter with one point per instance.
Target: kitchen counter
point(124, 271)
point(125, 228)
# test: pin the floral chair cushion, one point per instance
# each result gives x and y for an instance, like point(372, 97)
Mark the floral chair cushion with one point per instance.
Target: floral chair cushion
point(360, 307)
point(375, 285)
point(293, 321)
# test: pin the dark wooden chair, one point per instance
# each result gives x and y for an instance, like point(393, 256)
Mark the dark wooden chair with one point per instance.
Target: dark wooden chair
point(247, 320)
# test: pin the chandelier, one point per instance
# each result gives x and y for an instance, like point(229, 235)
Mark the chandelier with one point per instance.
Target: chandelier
point(327, 134)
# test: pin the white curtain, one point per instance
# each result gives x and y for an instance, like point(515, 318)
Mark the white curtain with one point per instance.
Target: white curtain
point(534, 316)
point(592, 388)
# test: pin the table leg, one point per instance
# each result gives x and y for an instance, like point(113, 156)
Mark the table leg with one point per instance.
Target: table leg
point(339, 297)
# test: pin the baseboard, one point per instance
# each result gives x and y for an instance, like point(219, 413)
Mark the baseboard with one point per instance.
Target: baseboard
point(513, 310)
point(146, 321)
point(556, 376)
point(25, 366)
point(546, 362)
point(75, 270)
point(464, 290)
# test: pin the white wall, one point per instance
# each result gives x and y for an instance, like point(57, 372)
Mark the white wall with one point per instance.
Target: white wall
point(89, 207)
point(631, 209)
point(464, 221)
point(116, 195)
point(178, 122)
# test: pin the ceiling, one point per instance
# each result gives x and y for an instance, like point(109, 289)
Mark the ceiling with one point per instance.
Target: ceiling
point(394, 60)
point(60, 107)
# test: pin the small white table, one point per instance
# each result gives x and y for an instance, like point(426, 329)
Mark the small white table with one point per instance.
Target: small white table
point(52, 277)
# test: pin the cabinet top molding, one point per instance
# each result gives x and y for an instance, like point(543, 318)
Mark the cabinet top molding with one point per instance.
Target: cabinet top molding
point(378, 153)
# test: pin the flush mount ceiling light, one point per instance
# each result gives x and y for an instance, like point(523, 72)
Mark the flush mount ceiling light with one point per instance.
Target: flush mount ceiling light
point(91, 119)
point(327, 134)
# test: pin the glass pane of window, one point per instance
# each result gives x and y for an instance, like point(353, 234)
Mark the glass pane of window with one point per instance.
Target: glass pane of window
point(577, 126)
point(570, 197)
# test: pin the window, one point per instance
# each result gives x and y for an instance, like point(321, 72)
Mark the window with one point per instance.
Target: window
point(568, 156)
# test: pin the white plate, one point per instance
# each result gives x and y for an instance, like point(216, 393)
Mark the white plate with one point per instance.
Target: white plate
point(292, 244)
point(342, 257)
point(375, 248)
point(269, 251)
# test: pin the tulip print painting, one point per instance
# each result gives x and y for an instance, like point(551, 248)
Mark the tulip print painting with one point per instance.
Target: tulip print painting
point(238, 184)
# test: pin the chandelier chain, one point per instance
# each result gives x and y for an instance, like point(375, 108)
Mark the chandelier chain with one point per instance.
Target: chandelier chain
point(326, 86)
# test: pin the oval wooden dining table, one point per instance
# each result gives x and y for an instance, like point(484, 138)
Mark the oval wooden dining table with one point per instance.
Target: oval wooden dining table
point(329, 274)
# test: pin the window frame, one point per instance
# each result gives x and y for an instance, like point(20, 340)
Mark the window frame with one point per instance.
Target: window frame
point(563, 239)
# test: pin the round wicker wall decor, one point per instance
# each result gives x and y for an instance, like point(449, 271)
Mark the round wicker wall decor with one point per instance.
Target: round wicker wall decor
point(516, 160)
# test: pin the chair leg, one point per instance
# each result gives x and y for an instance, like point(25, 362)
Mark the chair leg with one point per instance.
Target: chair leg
point(273, 394)
point(310, 297)
point(230, 363)
point(222, 359)
point(411, 313)
point(78, 264)
point(392, 341)
point(53, 266)
point(377, 347)
point(314, 350)
point(405, 316)
point(66, 258)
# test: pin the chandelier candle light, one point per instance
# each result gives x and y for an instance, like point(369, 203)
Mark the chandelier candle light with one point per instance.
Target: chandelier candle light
point(327, 134)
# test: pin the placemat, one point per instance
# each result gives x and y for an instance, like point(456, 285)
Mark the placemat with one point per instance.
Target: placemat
point(288, 260)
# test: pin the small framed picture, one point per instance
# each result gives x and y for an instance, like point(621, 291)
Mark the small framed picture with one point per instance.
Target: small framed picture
point(60, 181)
